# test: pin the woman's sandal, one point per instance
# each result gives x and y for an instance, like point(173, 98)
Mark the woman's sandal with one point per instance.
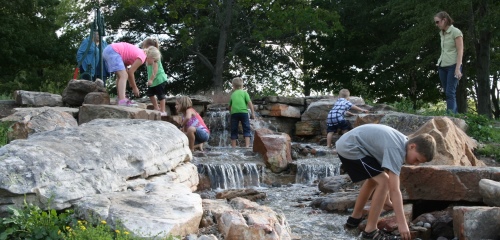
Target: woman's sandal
point(378, 235)
point(353, 222)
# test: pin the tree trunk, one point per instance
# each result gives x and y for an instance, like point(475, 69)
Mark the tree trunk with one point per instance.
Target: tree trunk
point(221, 48)
point(483, 73)
point(494, 96)
point(462, 96)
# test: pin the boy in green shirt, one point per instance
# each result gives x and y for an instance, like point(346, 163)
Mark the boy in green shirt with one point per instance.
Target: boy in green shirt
point(238, 106)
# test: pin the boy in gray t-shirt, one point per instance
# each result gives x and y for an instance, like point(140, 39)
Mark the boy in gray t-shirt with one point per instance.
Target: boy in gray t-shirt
point(376, 153)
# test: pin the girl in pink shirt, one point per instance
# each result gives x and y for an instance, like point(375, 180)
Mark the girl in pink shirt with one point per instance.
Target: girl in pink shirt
point(192, 124)
point(118, 57)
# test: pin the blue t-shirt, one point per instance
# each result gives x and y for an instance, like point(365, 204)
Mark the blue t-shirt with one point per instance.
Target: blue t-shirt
point(382, 142)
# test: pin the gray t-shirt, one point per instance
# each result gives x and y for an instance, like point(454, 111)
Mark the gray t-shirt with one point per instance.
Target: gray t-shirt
point(382, 142)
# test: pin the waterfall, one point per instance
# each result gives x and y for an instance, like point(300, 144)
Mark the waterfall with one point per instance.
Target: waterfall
point(218, 123)
point(232, 176)
point(308, 173)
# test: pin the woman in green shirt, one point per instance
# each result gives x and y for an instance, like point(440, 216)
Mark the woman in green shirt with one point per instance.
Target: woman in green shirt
point(450, 61)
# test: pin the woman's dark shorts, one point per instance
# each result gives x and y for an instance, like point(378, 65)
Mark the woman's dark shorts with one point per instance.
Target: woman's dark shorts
point(361, 169)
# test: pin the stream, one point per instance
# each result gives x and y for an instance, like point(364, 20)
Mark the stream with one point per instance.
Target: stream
point(232, 168)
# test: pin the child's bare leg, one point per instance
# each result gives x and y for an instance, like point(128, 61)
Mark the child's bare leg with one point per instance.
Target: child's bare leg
point(329, 139)
point(378, 200)
point(233, 143)
point(365, 192)
point(162, 105)
point(247, 141)
point(121, 83)
point(154, 102)
point(388, 203)
point(190, 134)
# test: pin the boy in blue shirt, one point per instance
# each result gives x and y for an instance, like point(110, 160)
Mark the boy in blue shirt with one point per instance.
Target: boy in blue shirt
point(376, 153)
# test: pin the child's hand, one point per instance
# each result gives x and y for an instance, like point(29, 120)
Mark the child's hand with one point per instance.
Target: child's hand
point(136, 91)
point(252, 116)
point(150, 82)
point(365, 111)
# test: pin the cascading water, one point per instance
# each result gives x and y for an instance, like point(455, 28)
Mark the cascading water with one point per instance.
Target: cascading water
point(310, 171)
point(223, 167)
point(232, 176)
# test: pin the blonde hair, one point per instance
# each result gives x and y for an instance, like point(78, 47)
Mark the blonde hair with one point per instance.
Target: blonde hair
point(153, 53)
point(344, 93)
point(237, 83)
point(184, 103)
point(148, 42)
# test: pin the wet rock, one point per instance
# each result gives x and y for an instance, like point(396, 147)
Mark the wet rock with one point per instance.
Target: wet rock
point(250, 194)
point(490, 190)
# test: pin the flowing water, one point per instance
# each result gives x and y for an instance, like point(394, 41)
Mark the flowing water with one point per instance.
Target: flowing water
point(222, 167)
point(228, 168)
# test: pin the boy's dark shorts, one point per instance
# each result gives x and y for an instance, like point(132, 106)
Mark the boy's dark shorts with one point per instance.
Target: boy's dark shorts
point(158, 90)
point(361, 169)
point(342, 125)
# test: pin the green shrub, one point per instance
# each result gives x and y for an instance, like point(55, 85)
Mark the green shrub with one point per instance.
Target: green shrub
point(4, 130)
point(31, 222)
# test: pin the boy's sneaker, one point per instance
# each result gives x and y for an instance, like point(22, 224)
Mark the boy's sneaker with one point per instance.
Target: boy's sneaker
point(353, 222)
point(126, 102)
point(378, 235)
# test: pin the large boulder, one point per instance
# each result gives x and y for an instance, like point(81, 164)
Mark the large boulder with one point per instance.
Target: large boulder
point(241, 219)
point(60, 166)
point(37, 99)
point(453, 146)
point(476, 222)
point(445, 183)
point(39, 120)
point(89, 112)
point(274, 147)
point(76, 90)
point(158, 210)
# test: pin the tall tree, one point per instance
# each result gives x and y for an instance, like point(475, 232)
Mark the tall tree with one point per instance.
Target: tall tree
point(32, 50)
point(209, 41)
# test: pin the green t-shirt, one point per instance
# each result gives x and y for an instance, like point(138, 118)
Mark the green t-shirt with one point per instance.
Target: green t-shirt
point(448, 49)
point(239, 101)
point(160, 78)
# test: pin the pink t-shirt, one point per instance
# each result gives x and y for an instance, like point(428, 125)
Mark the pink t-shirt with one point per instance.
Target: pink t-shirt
point(129, 52)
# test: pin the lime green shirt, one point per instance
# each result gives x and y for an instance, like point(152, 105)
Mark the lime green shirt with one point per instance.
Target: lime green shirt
point(448, 49)
point(160, 78)
point(239, 101)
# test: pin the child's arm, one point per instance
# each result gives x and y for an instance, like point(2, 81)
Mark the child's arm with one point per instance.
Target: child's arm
point(250, 105)
point(397, 204)
point(187, 116)
point(359, 109)
point(131, 77)
point(153, 75)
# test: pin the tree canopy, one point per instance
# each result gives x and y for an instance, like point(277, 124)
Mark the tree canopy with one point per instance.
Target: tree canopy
point(381, 50)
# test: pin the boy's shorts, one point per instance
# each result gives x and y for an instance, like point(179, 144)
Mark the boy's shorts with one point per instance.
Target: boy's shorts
point(200, 136)
point(158, 90)
point(343, 125)
point(114, 61)
point(361, 169)
point(236, 118)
